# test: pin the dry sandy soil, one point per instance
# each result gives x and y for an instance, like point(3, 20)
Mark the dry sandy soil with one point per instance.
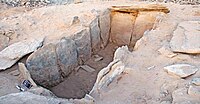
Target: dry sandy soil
point(144, 80)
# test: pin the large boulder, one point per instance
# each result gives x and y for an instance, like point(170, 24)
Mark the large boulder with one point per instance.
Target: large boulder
point(52, 62)
point(11, 54)
point(186, 38)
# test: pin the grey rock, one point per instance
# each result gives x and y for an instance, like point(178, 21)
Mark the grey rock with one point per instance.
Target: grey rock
point(43, 67)
point(186, 38)
point(50, 64)
point(196, 81)
point(181, 70)
point(83, 43)
point(11, 54)
point(95, 35)
point(67, 57)
point(104, 23)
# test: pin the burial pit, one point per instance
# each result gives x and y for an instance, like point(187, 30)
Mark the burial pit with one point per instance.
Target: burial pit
point(68, 41)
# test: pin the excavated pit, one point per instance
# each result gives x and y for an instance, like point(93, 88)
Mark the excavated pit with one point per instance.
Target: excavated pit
point(80, 38)
point(127, 26)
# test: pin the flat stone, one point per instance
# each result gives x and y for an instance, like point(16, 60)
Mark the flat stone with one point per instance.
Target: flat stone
point(181, 70)
point(95, 35)
point(194, 91)
point(11, 54)
point(87, 68)
point(104, 23)
point(83, 43)
point(121, 28)
point(196, 81)
point(97, 58)
point(186, 38)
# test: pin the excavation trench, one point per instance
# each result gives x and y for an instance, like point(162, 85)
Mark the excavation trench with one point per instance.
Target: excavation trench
point(58, 69)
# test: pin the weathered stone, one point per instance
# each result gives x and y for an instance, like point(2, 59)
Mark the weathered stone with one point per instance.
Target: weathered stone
point(196, 81)
point(186, 38)
point(121, 28)
point(87, 68)
point(181, 70)
point(24, 73)
point(95, 35)
point(66, 56)
point(51, 63)
point(83, 43)
point(194, 91)
point(11, 54)
point(104, 23)
point(43, 66)
point(97, 58)
point(107, 75)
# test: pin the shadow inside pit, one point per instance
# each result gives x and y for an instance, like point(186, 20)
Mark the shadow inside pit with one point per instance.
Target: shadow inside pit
point(80, 82)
